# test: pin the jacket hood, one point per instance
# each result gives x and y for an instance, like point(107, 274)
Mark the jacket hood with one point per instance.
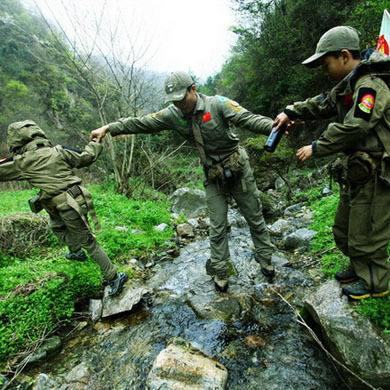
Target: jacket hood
point(21, 133)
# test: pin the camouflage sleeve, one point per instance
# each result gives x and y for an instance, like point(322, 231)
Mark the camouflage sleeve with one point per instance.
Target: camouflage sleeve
point(151, 123)
point(371, 99)
point(241, 117)
point(318, 107)
point(9, 170)
point(84, 158)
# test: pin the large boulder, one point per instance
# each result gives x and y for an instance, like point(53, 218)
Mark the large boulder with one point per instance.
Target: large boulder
point(190, 202)
point(22, 232)
point(182, 367)
point(350, 337)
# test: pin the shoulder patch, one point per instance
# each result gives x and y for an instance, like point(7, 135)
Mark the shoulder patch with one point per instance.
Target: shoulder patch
point(365, 103)
point(234, 106)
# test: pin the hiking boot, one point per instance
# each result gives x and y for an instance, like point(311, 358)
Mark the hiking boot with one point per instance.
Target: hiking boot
point(359, 291)
point(267, 269)
point(77, 256)
point(116, 285)
point(346, 276)
point(221, 284)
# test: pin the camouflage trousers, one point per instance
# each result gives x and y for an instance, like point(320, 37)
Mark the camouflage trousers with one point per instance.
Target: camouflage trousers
point(70, 228)
point(362, 231)
point(244, 191)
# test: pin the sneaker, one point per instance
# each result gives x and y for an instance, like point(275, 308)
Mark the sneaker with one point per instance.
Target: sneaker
point(221, 284)
point(267, 269)
point(77, 256)
point(346, 276)
point(359, 291)
point(116, 285)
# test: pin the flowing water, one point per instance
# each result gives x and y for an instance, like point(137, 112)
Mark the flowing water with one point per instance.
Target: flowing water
point(250, 330)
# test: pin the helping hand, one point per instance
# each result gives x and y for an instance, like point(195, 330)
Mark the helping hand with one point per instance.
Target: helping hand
point(98, 134)
point(304, 153)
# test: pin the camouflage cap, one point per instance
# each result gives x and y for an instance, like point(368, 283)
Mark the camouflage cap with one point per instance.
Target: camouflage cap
point(20, 133)
point(176, 86)
point(335, 39)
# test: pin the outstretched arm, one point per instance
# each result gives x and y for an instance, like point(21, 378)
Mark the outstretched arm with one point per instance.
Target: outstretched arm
point(84, 158)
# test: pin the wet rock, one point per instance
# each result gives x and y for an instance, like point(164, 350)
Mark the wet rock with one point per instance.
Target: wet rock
point(279, 259)
point(180, 366)
point(130, 296)
point(236, 219)
point(185, 230)
point(299, 239)
point(48, 348)
point(280, 227)
point(292, 210)
point(78, 378)
point(22, 232)
point(44, 382)
point(350, 337)
point(190, 202)
point(226, 307)
point(95, 308)
point(160, 228)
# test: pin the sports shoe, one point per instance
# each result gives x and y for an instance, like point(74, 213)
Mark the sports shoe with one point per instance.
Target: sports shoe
point(359, 291)
point(77, 256)
point(346, 276)
point(116, 285)
point(221, 284)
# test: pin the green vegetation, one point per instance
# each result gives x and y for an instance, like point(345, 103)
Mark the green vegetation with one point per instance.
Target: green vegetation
point(332, 260)
point(39, 292)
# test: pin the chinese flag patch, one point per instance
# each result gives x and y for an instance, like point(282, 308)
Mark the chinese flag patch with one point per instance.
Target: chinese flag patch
point(206, 117)
point(365, 103)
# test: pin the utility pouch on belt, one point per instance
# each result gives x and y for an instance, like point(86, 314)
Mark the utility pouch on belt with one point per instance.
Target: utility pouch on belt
point(35, 204)
point(361, 167)
point(338, 171)
point(229, 168)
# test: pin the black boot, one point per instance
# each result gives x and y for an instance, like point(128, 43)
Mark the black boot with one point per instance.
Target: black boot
point(77, 256)
point(359, 291)
point(346, 276)
point(116, 285)
point(267, 269)
point(221, 284)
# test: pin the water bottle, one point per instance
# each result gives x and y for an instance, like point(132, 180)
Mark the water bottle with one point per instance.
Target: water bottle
point(274, 138)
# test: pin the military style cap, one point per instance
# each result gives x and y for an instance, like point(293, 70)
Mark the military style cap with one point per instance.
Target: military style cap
point(335, 39)
point(176, 86)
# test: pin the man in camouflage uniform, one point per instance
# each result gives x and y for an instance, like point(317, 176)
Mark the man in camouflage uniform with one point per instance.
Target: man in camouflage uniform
point(206, 120)
point(361, 103)
point(49, 168)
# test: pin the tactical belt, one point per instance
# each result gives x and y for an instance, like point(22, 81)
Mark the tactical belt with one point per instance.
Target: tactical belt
point(69, 196)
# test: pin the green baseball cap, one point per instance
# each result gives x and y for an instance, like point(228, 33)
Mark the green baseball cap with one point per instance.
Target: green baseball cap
point(335, 39)
point(176, 86)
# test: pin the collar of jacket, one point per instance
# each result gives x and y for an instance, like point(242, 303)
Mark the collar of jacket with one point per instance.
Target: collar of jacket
point(36, 144)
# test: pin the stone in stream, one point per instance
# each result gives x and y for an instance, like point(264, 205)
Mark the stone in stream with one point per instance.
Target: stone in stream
point(48, 348)
point(182, 367)
point(299, 239)
point(125, 301)
point(190, 202)
point(351, 337)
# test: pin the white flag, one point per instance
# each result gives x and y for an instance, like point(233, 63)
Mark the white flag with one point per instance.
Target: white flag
point(384, 35)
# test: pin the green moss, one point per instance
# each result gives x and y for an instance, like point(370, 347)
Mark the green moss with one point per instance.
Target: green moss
point(40, 291)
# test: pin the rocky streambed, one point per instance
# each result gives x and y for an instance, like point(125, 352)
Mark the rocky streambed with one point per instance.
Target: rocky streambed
point(181, 334)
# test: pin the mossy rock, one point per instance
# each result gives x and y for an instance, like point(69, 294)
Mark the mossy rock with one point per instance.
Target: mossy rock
point(22, 232)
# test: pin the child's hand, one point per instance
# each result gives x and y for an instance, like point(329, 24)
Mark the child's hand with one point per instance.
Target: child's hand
point(304, 153)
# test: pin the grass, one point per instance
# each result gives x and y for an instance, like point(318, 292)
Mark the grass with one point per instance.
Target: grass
point(39, 291)
point(377, 310)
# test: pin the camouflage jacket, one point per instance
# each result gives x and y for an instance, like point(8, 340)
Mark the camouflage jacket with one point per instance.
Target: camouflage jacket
point(361, 104)
point(216, 116)
point(48, 168)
